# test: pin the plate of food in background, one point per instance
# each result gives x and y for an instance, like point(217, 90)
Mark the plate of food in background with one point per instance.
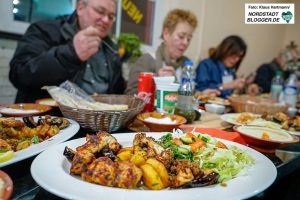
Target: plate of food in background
point(239, 118)
point(24, 109)
point(24, 137)
point(277, 121)
point(265, 139)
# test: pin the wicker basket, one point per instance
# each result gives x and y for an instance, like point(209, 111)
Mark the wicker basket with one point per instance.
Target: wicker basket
point(105, 120)
point(256, 104)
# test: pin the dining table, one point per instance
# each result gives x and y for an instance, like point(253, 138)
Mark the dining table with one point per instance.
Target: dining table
point(286, 160)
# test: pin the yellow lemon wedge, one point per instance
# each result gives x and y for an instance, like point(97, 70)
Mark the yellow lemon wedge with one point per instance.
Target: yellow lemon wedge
point(6, 156)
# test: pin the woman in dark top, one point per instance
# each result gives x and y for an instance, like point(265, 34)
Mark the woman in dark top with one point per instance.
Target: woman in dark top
point(218, 71)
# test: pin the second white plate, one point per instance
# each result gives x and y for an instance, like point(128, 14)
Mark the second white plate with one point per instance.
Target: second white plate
point(34, 149)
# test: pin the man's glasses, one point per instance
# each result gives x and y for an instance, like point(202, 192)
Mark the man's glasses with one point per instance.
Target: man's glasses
point(103, 12)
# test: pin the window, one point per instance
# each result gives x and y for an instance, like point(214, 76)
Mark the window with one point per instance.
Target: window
point(36, 10)
point(133, 16)
point(137, 17)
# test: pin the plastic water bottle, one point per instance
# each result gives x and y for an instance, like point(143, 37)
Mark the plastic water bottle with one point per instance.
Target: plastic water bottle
point(184, 105)
point(277, 85)
point(188, 73)
point(290, 91)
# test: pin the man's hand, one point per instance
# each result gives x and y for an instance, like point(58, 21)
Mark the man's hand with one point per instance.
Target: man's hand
point(86, 42)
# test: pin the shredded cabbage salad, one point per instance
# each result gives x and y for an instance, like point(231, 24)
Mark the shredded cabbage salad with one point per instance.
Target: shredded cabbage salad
point(212, 154)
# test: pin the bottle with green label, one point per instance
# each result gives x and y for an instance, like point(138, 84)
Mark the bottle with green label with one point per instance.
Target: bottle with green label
point(184, 106)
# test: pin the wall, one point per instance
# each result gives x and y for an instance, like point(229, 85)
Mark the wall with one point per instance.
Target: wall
point(293, 32)
point(7, 91)
point(225, 18)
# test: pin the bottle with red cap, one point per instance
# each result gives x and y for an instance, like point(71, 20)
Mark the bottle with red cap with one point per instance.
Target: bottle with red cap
point(146, 90)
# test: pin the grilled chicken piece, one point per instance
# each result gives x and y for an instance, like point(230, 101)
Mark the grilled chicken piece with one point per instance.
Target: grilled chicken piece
point(100, 171)
point(153, 149)
point(81, 159)
point(143, 141)
point(4, 145)
point(127, 174)
point(96, 143)
point(165, 157)
point(93, 144)
point(86, 153)
point(281, 117)
point(296, 123)
point(183, 177)
point(103, 171)
point(13, 143)
point(185, 171)
point(11, 122)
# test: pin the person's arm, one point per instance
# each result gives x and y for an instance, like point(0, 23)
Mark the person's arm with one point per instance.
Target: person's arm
point(143, 64)
point(40, 60)
point(206, 77)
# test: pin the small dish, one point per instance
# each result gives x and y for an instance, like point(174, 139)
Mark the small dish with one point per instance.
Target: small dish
point(23, 109)
point(214, 108)
point(161, 127)
point(6, 190)
point(266, 139)
point(47, 102)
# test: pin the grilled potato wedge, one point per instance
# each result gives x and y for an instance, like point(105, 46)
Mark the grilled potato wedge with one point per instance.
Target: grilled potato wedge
point(160, 169)
point(124, 155)
point(139, 155)
point(126, 149)
point(151, 178)
point(138, 160)
point(23, 145)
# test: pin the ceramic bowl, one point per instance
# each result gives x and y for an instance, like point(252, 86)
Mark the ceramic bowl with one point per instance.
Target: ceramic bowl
point(275, 139)
point(47, 101)
point(7, 186)
point(24, 109)
point(160, 126)
point(214, 108)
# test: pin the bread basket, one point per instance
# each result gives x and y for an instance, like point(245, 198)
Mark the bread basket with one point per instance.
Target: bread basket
point(105, 120)
point(256, 104)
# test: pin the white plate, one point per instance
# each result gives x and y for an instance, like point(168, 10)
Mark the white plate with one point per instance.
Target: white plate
point(297, 133)
point(231, 118)
point(34, 149)
point(258, 177)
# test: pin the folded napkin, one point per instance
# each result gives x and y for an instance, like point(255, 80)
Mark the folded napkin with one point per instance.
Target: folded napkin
point(231, 136)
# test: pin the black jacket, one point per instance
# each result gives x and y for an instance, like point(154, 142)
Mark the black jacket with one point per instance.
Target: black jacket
point(46, 56)
point(265, 73)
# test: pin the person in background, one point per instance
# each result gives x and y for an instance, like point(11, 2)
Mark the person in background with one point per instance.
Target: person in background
point(75, 48)
point(266, 72)
point(219, 70)
point(177, 32)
